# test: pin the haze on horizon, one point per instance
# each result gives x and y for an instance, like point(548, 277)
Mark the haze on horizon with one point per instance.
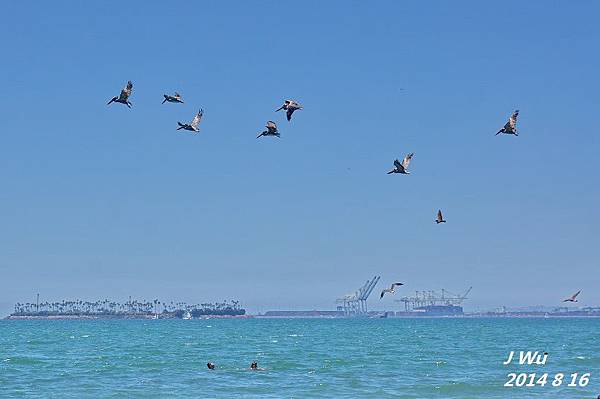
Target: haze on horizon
point(106, 202)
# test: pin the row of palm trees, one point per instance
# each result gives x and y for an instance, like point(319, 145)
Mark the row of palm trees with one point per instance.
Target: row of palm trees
point(131, 307)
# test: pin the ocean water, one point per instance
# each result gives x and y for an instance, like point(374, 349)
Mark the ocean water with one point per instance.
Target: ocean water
point(302, 358)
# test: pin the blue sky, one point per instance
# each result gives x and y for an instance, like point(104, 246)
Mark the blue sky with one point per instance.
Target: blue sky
point(101, 201)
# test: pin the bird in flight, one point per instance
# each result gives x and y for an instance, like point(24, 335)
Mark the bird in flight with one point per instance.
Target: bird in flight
point(401, 167)
point(176, 98)
point(193, 125)
point(124, 96)
point(573, 298)
point(271, 130)
point(440, 218)
point(290, 106)
point(511, 126)
point(390, 290)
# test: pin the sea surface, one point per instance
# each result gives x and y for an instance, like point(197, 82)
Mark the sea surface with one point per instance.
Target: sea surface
point(302, 358)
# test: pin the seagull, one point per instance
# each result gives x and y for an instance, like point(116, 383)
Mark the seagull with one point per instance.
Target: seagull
point(173, 99)
point(391, 289)
point(511, 126)
point(193, 126)
point(271, 130)
point(440, 218)
point(124, 96)
point(290, 106)
point(573, 298)
point(402, 167)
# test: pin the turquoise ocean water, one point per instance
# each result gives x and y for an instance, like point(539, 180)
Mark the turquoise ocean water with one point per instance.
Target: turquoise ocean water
point(303, 358)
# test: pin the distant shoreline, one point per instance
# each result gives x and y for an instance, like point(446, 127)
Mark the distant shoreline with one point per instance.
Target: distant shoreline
point(119, 317)
point(144, 317)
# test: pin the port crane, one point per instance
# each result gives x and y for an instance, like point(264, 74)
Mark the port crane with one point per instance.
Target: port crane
point(432, 298)
point(356, 304)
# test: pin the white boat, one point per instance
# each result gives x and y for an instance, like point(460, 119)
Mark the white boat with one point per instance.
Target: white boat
point(187, 316)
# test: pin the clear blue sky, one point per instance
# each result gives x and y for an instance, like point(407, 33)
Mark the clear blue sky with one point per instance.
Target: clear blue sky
point(101, 201)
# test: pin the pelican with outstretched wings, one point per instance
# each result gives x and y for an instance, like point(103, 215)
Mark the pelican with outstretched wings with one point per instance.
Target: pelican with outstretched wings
point(402, 167)
point(573, 298)
point(289, 106)
point(440, 218)
point(390, 290)
point(511, 126)
point(124, 96)
point(176, 98)
point(271, 130)
point(193, 125)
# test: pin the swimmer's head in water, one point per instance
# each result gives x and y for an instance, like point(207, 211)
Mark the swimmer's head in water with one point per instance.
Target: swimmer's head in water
point(254, 365)
point(210, 366)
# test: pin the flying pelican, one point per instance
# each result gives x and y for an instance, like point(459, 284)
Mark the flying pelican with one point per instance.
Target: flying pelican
point(573, 298)
point(391, 289)
point(173, 99)
point(511, 126)
point(271, 130)
point(124, 96)
point(290, 106)
point(440, 218)
point(402, 167)
point(193, 126)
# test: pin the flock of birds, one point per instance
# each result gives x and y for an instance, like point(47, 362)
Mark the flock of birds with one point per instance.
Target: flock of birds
point(291, 106)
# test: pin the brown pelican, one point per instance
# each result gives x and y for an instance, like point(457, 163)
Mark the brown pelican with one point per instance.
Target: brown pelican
point(573, 298)
point(511, 126)
point(402, 167)
point(271, 130)
point(290, 106)
point(193, 125)
point(440, 218)
point(173, 99)
point(124, 96)
point(390, 290)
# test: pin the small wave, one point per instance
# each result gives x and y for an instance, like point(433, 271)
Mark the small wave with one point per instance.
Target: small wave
point(581, 357)
point(85, 336)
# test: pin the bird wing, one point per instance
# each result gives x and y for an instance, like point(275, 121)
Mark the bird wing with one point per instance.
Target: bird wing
point(398, 165)
point(196, 120)
point(406, 160)
point(293, 104)
point(271, 127)
point(575, 295)
point(512, 121)
point(289, 113)
point(126, 92)
point(397, 285)
point(177, 96)
point(439, 215)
